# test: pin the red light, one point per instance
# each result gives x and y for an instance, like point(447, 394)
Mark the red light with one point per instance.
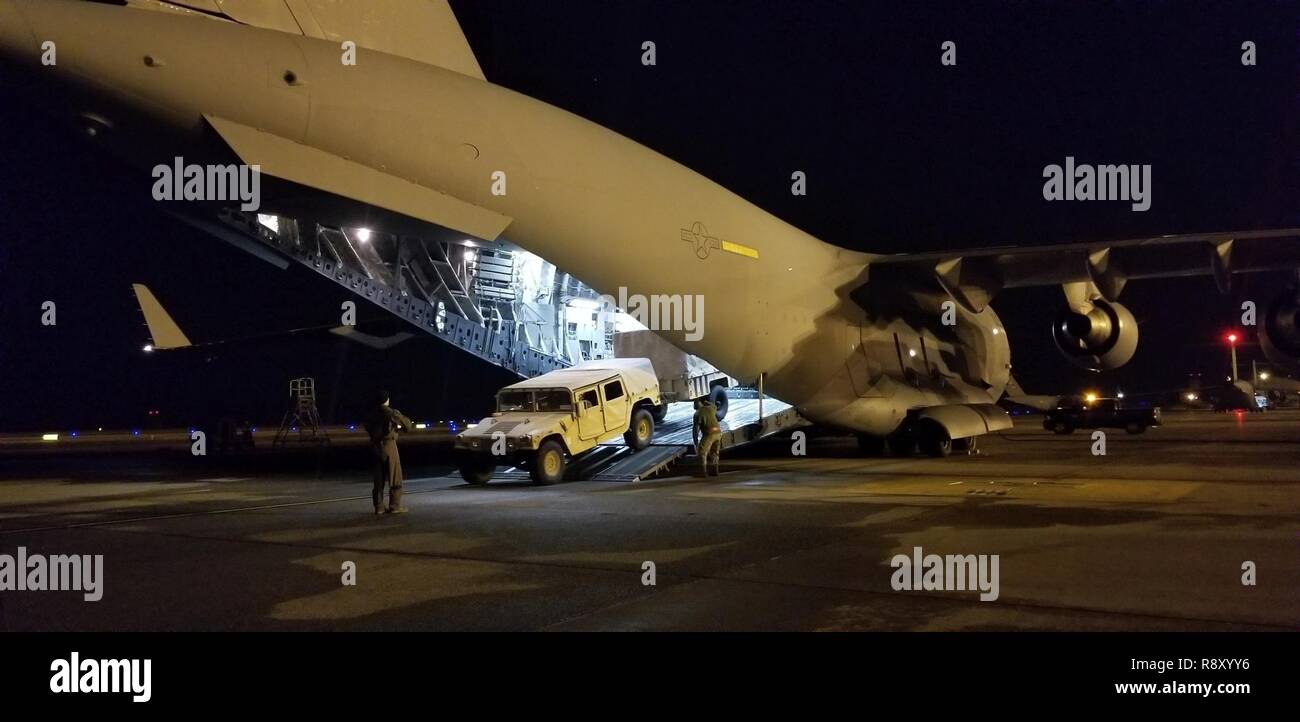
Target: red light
point(1232, 338)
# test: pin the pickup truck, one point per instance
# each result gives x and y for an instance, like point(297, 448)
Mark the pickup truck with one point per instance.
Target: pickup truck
point(541, 423)
point(1100, 414)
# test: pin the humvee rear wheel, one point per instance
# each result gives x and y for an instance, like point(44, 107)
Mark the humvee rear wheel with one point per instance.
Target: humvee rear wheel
point(476, 468)
point(548, 466)
point(641, 431)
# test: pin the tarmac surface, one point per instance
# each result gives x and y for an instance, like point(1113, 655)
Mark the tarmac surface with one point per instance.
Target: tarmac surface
point(1151, 536)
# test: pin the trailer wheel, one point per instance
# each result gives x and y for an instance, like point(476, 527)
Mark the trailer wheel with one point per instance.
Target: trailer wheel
point(641, 430)
point(718, 397)
point(659, 413)
point(548, 466)
point(476, 469)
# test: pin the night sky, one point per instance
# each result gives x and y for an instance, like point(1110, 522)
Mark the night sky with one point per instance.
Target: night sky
point(901, 154)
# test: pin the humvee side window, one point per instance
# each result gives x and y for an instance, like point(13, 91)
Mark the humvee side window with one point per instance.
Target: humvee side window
point(613, 390)
point(588, 398)
point(515, 401)
point(554, 400)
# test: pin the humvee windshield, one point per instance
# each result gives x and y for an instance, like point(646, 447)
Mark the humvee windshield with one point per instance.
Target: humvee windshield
point(515, 401)
point(542, 400)
point(554, 400)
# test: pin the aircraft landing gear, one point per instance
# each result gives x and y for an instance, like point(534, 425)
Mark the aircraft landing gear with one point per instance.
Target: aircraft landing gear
point(871, 446)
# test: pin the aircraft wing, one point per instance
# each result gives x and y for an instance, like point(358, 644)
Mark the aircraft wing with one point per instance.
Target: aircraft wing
point(974, 276)
point(422, 30)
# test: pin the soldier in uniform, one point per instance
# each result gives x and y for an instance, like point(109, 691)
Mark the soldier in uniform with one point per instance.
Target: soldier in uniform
point(382, 426)
point(707, 435)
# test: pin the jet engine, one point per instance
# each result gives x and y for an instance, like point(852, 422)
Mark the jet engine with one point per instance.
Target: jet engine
point(1279, 335)
point(1103, 337)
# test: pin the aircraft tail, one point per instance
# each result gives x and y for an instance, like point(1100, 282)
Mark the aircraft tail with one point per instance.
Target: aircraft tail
point(422, 30)
point(163, 331)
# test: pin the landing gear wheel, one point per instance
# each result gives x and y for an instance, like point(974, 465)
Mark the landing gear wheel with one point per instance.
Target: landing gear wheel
point(641, 431)
point(901, 443)
point(1135, 428)
point(934, 440)
point(871, 446)
point(969, 445)
point(476, 469)
point(659, 413)
point(718, 397)
point(548, 467)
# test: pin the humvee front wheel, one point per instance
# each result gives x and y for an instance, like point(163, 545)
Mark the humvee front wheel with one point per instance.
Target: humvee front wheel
point(659, 413)
point(641, 430)
point(548, 465)
point(476, 469)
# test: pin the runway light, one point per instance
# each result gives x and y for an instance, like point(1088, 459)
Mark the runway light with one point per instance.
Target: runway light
point(49, 437)
point(421, 425)
point(1119, 395)
point(135, 432)
point(1191, 397)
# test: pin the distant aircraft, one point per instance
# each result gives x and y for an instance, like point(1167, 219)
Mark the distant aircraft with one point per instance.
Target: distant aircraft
point(411, 138)
point(1015, 396)
point(166, 335)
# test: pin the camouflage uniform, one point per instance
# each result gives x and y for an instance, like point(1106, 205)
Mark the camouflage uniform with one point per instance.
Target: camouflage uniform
point(382, 427)
point(706, 426)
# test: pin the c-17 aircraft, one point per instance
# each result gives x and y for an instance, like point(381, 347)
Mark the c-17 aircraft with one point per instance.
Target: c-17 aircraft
point(411, 137)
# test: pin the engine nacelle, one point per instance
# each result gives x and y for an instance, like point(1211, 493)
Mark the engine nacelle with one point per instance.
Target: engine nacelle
point(1279, 335)
point(1104, 338)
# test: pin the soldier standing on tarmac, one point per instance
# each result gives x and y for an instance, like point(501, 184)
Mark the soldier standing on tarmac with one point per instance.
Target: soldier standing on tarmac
point(382, 426)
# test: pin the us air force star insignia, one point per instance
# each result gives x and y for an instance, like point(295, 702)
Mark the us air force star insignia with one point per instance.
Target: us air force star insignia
point(698, 236)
